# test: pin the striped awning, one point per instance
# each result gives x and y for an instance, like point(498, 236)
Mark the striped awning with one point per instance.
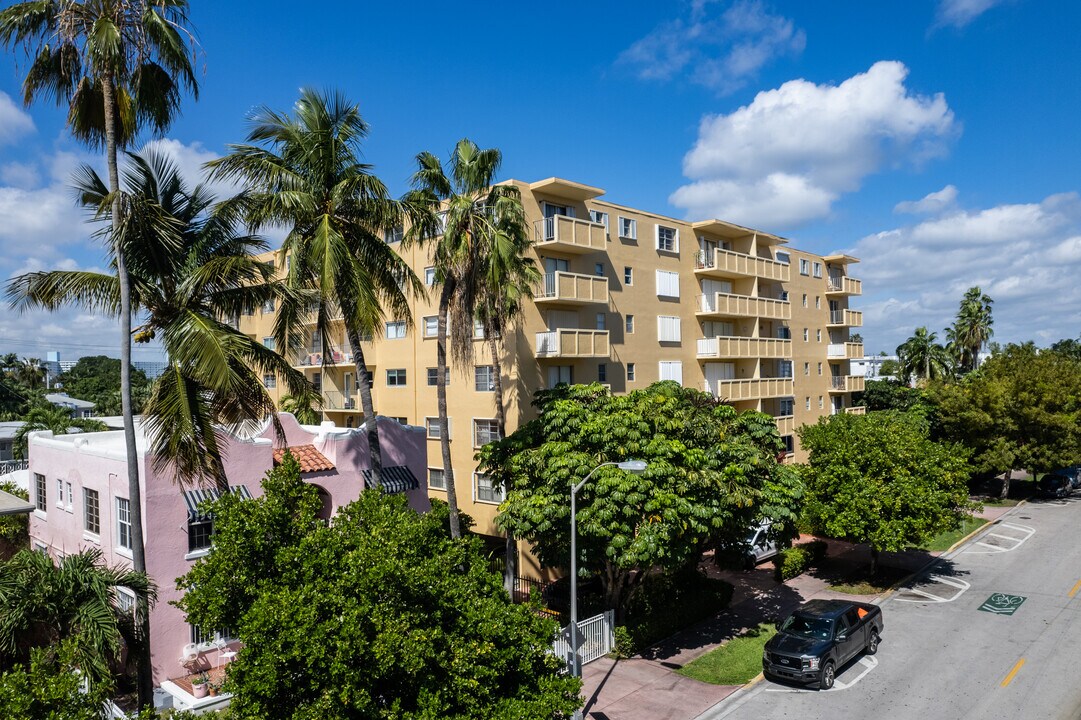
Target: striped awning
point(396, 479)
point(194, 498)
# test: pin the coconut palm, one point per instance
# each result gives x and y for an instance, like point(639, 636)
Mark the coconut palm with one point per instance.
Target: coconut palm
point(29, 372)
point(920, 356)
point(189, 269)
point(55, 419)
point(467, 219)
point(303, 172)
point(972, 329)
point(77, 599)
point(119, 66)
point(301, 407)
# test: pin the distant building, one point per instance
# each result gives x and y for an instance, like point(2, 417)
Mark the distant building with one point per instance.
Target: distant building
point(7, 439)
point(76, 407)
point(151, 368)
point(870, 366)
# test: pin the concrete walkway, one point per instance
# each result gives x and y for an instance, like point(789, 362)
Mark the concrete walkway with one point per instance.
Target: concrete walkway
point(646, 687)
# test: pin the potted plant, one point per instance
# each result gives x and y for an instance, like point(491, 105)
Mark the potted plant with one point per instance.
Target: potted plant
point(214, 688)
point(200, 684)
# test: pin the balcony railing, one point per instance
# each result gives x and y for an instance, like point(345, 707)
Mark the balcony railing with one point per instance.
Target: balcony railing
point(335, 400)
point(569, 234)
point(729, 305)
point(725, 263)
point(573, 289)
point(856, 410)
point(846, 318)
point(573, 343)
point(845, 351)
point(844, 285)
point(310, 357)
point(744, 347)
point(786, 424)
point(750, 389)
point(847, 383)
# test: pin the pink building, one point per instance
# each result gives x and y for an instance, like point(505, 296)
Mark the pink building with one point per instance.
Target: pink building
point(79, 488)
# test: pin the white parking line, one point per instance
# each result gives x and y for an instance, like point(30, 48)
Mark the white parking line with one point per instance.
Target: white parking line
point(960, 585)
point(869, 663)
point(1010, 542)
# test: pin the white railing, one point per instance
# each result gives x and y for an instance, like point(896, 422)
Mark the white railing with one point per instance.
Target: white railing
point(597, 639)
point(548, 343)
point(707, 346)
point(836, 350)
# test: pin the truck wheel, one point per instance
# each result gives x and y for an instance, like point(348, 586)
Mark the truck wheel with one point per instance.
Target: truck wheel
point(826, 679)
point(872, 643)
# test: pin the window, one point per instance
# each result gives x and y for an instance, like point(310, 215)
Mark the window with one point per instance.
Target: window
point(818, 336)
point(818, 302)
point(630, 372)
point(429, 276)
point(628, 228)
point(560, 374)
point(783, 296)
point(400, 420)
point(396, 377)
point(804, 299)
point(602, 321)
point(213, 637)
point(818, 270)
point(628, 275)
point(787, 406)
point(820, 402)
point(807, 403)
point(806, 335)
point(199, 533)
point(269, 343)
point(667, 239)
point(270, 381)
point(317, 382)
point(602, 372)
point(394, 235)
point(783, 257)
point(69, 496)
point(667, 284)
point(806, 368)
point(819, 368)
point(672, 370)
point(123, 523)
point(431, 426)
point(599, 217)
point(484, 378)
point(436, 479)
point(484, 432)
point(478, 330)
point(125, 599)
point(396, 330)
point(784, 333)
point(669, 328)
point(40, 497)
point(431, 325)
point(789, 444)
point(804, 267)
point(486, 491)
point(91, 511)
point(598, 269)
point(629, 324)
point(785, 368)
point(433, 376)
point(268, 307)
point(59, 493)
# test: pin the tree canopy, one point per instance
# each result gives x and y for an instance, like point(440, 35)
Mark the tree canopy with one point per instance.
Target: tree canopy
point(880, 479)
point(712, 473)
point(379, 614)
point(96, 379)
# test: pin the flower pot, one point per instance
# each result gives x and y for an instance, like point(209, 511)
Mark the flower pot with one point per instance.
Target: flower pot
point(213, 691)
point(200, 690)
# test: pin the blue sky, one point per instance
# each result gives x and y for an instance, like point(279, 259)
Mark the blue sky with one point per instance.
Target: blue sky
point(935, 140)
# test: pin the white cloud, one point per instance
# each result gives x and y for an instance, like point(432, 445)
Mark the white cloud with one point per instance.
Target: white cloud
point(721, 53)
point(934, 203)
point(14, 122)
point(1026, 256)
point(21, 175)
point(793, 151)
point(958, 13)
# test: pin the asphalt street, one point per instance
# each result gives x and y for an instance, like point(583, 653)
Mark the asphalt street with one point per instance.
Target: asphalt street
point(943, 657)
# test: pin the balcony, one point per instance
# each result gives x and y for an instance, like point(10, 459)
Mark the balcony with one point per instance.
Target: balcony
point(847, 383)
point(312, 357)
point(844, 285)
point(743, 347)
point(845, 318)
point(334, 400)
point(570, 235)
point(786, 424)
point(728, 264)
point(857, 410)
point(573, 343)
point(845, 351)
point(750, 389)
point(566, 288)
point(727, 305)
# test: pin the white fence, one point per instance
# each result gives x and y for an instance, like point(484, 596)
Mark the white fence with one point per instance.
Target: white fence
point(597, 638)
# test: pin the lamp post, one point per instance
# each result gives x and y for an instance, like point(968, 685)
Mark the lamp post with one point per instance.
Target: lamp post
point(634, 466)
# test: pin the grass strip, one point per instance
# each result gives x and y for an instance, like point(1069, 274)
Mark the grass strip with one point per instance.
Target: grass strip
point(736, 662)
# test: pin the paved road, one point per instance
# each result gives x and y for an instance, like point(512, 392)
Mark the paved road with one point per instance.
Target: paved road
point(941, 657)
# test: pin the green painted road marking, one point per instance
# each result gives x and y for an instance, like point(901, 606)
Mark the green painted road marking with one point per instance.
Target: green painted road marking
point(1002, 604)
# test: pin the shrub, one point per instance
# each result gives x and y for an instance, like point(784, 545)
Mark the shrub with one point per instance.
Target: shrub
point(624, 645)
point(667, 603)
point(793, 561)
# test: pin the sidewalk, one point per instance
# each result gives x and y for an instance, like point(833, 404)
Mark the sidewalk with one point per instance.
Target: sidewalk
point(645, 687)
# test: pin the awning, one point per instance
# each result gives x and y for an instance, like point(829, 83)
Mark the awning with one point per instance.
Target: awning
point(396, 479)
point(194, 498)
point(13, 504)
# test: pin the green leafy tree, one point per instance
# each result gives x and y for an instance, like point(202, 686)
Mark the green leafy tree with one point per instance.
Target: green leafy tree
point(303, 172)
point(302, 407)
point(1068, 347)
point(56, 419)
point(377, 615)
point(923, 358)
point(890, 369)
point(893, 395)
point(1020, 410)
point(14, 529)
point(712, 473)
point(96, 378)
point(120, 67)
point(879, 479)
point(50, 688)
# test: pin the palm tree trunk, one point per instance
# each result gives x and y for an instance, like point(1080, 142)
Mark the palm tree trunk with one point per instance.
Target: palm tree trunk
point(441, 395)
point(510, 567)
point(366, 404)
point(144, 670)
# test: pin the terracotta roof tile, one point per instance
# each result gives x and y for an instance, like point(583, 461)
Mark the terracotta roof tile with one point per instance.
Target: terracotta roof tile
point(310, 459)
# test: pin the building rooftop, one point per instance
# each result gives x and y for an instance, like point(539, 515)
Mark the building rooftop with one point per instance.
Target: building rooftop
point(66, 400)
point(310, 459)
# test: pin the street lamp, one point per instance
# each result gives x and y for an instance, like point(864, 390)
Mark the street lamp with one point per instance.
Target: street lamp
point(633, 466)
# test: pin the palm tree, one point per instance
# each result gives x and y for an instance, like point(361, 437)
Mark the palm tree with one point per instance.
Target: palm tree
point(303, 172)
point(972, 328)
point(53, 418)
point(467, 220)
point(189, 269)
point(76, 599)
point(300, 406)
point(120, 66)
point(29, 372)
point(922, 357)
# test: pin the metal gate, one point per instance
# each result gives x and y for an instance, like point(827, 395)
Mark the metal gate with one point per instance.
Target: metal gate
point(596, 638)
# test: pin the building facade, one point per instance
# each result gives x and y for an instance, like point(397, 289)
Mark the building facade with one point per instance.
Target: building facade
point(628, 298)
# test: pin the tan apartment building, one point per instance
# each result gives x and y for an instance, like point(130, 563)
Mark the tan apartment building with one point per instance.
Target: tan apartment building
point(629, 297)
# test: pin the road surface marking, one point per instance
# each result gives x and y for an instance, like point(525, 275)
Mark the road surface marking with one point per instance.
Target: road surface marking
point(960, 585)
point(869, 663)
point(1076, 587)
point(1009, 678)
point(1010, 543)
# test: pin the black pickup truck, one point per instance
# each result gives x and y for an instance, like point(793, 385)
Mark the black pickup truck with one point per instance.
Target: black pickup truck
point(820, 637)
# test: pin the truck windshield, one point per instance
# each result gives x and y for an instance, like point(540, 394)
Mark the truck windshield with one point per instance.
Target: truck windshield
point(808, 627)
